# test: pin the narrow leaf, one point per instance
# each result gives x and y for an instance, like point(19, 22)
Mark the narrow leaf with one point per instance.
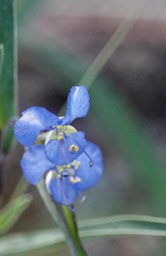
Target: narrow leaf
point(1, 58)
point(10, 214)
point(121, 225)
point(118, 219)
point(21, 243)
point(7, 78)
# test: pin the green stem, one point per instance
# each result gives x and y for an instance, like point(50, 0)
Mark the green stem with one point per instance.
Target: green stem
point(72, 226)
point(65, 218)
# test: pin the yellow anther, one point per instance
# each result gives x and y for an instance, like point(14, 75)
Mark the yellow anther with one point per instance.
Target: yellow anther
point(75, 164)
point(60, 168)
point(73, 148)
point(58, 127)
point(58, 133)
point(74, 180)
point(60, 136)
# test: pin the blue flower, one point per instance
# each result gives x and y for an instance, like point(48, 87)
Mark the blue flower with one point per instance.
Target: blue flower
point(68, 181)
point(64, 182)
point(55, 147)
point(63, 143)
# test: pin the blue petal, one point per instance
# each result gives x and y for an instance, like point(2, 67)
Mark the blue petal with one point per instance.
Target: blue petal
point(89, 175)
point(54, 149)
point(62, 191)
point(33, 121)
point(35, 163)
point(58, 151)
point(75, 139)
point(77, 104)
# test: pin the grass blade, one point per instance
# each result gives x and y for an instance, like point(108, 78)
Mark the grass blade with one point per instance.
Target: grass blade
point(10, 214)
point(121, 225)
point(8, 72)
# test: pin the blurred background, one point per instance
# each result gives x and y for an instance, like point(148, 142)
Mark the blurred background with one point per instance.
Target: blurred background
point(57, 43)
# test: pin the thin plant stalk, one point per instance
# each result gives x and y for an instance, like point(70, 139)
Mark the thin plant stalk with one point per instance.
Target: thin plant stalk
point(65, 219)
point(112, 45)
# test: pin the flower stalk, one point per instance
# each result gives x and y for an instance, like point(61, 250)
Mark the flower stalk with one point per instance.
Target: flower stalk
point(65, 219)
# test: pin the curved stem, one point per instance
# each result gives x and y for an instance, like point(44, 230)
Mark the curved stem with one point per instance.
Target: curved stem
point(65, 218)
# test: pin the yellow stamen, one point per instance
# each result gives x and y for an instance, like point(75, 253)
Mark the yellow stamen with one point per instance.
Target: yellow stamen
point(74, 180)
point(75, 164)
point(60, 136)
point(73, 148)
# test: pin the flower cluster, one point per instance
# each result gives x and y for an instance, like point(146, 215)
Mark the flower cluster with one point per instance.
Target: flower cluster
point(54, 147)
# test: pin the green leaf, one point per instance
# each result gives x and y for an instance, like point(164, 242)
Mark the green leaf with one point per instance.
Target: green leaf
point(1, 57)
point(124, 225)
point(134, 222)
point(7, 78)
point(7, 139)
point(12, 211)
point(94, 228)
point(20, 243)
